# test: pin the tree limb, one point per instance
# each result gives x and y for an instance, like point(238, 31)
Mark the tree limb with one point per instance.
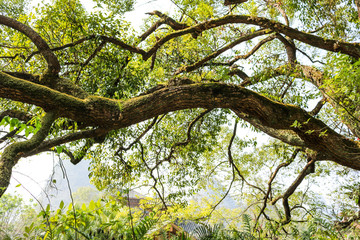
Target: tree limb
point(15, 151)
point(51, 59)
point(114, 114)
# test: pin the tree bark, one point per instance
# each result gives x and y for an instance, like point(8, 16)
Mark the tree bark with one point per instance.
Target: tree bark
point(115, 114)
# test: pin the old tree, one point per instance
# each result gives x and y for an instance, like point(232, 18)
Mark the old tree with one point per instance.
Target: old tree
point(163, 107)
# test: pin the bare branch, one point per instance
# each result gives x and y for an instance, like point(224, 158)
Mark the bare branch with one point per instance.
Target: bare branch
point(233, 165)
point(292, 189)
point(272, 178)
point(290, 48)
point(152, 29)
point(318, 107)
point(306, 55)
point(253, 50)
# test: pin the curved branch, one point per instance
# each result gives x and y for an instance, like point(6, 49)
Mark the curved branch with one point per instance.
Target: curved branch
point(47, 145)
point(105, 39)
point(253, 50)
point(351, 49)
point(272, 178)
point(73, 44)
point(233, 165)
point(172, 23)
point(152, 29)
point(121, 148)
point(292, 189)
point(51, 59)
point(220, 51)
point(290, 48)
point(115, 114)
point(15, 151)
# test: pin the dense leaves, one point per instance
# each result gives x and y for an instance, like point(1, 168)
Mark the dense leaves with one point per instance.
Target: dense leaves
point(178, 107)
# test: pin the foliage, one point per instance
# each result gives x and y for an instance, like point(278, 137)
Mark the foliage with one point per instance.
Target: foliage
point(97, 220)
point(15, 214)
point(177, 110)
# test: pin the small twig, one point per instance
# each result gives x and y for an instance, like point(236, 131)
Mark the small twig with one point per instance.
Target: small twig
point(306, 55)
point(70, 191)
point(98, 49)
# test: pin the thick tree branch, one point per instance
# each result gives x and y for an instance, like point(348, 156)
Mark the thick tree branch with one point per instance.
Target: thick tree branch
point(115, 114)
point(290, 48)
point(351, 49)
point(51, 59)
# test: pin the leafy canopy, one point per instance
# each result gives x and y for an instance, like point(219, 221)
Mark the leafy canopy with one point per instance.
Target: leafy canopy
point(162, 108)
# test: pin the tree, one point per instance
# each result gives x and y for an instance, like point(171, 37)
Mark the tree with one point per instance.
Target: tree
point(14, 216)
point(83, 85)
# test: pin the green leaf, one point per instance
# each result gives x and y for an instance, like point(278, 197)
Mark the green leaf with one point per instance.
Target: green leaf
point(61, 204)
point(59, 149)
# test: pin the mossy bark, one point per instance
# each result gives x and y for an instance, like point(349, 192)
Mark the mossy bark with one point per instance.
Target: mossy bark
point(276, 118)
point(15, 151)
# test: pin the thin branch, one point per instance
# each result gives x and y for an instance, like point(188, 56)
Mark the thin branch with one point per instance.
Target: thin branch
point(151, 170)
point(272, 178)
point(280, 9)
point(253, 50)
point(47, 145)
point(73, 44)
point(292, 189)
point(306, 55)
point(98, 49)
point(233, 165)
point(184, 12)
point(121, 148)
point(318, 107)
point(220, 51)
point(227, 192)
